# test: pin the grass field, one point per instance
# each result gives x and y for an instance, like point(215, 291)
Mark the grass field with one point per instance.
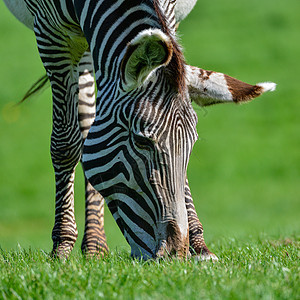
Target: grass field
point(244, 171)
point(256, 269)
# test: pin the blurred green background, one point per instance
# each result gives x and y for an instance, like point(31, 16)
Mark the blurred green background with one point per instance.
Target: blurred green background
point(244, 171)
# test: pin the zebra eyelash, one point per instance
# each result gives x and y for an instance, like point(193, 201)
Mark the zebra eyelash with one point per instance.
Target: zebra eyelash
point(142, 141)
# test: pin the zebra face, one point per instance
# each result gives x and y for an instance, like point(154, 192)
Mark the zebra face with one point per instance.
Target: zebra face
point(137, 151)
point(161, 139)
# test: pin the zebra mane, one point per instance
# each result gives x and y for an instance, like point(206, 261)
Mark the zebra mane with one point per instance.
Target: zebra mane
point(176, 67)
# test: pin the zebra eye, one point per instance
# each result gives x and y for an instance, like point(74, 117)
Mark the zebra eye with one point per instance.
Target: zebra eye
point(142, 141)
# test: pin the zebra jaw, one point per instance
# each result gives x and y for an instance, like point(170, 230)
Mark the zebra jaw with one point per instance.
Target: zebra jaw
point(209, 87)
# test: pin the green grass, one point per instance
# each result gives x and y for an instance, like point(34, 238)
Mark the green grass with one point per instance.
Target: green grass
point(244, 171)
point(264, 269)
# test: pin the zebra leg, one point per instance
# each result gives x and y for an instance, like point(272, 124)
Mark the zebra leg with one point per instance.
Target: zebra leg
point(197, 243)
point(61, 63)
point(94, 239)
point(66, 146)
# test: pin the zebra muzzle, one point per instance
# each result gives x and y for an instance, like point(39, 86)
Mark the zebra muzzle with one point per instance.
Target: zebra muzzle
point(175, 243)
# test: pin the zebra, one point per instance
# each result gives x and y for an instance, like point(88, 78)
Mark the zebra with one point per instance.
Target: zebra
point(135, 139)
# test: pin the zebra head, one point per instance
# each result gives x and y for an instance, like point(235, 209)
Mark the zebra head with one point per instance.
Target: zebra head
point(137, 151)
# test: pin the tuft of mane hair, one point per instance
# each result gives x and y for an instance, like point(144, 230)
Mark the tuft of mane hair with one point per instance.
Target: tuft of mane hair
point(176, 67)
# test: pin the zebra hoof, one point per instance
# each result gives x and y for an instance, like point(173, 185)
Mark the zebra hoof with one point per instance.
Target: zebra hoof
point(62, 251)
point(95, 253)
point(94, 246)
point(61, 255)
point(205, 257)
point(202, 253)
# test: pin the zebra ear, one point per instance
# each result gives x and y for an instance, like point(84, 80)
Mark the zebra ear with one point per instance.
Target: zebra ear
point(209, 87)
point(149, 50)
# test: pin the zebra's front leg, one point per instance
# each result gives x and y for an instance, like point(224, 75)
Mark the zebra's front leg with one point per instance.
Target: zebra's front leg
point(197, 243)
point(94, 239)
point(66, 147)
point(64, 158)
point(61, 45)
